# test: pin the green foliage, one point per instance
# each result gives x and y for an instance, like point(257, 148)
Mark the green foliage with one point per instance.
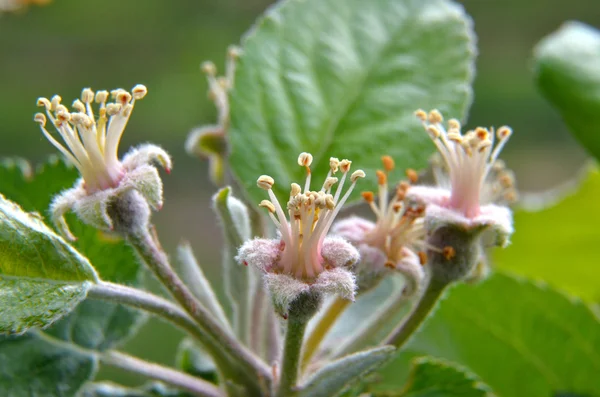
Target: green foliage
point(42, 278)
point(432, 377)
point(556, 244)
point(522, 339)
point(343, 78)
point(567, 74)
point(108, 389)
point(334, 378)
point(34, 366)
point(194, 361)
point(94, 325)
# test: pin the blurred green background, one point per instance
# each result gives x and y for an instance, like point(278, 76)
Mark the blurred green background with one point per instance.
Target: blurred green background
point(71, 44)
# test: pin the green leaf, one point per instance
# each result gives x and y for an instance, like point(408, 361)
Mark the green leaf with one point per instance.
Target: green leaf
point(194, 361)
point(567, 74)
point(557, 244)
point(520, 338)
point(343, 78)
point(42, 278)
point(94, 324)
point(109, 389)
point(438, 378)
point(239, 281)
point(334, 378)
point(33, 366)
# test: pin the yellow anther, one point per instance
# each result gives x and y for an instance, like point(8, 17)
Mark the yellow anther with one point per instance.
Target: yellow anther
point(265, 182)
point(449, 253)
point(357, 174)
point(433, 131)
point(87, 95)
point(295, 190)
point(345, 165)
point(44, 102)
point(268, 205)
point(139, 91)
point(412, 175)
point(101, 96)
point(381, 177)
point(388, 163)
point(113, 109)
point(305, 159)
point(329, 182)
point(504, 132)
point(454, 124)
point(369, 197)
point(78, 105)
point(208, 68)
point(334, 164)
point(55, 101)
point(421, 115)
point(234, 52)
point(40, 118)
point(435, 117)
point(123, 97)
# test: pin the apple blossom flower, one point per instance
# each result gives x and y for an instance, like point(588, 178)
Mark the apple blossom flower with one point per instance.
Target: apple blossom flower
point(461, 208)
point(303, 258)
point(90, 143)
point(395, 242)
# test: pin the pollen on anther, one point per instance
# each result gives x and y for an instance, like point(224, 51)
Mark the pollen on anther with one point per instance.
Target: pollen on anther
point(305, 159)
point(44, 102)
point(265, 182)
point(268, 205)
point(454, 124)
point(87, 95)
point(388, 163)
point(422, 257)
point(334, 164)
point(101, 96)
point(208, 68)
point(357, 174)
point(504, 132)
point(369, 197)
point(139, 91)
point(435, 117)
point(449, 253)
point(295, 190)
point(421, 115)
point(345, 165)
point(381, 177)
point(40, 118)
point(412, 175)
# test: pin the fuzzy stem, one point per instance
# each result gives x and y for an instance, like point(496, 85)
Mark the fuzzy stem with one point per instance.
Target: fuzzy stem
point(419, 313)
point(196, 386)
point(291, 354)
point(153, 256)
point(325, 322)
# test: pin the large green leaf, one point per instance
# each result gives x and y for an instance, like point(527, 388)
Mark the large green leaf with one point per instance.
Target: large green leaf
point(522, 339)
point(342, 78)
point(31, 365)
point(567, 74)
point(438, 378)
point(42, 278)
point(559, 244)
point(94, 324)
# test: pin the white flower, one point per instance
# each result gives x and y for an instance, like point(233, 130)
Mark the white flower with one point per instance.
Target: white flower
point(91, 144)
point(475, 179)
point(303, 258)
point(396, 242)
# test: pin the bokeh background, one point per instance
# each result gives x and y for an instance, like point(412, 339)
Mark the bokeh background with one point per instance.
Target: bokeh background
point(70, 44)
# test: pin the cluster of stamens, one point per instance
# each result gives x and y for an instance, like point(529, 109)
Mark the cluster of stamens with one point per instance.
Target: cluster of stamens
point(311, 214)
point(399, 225)
point(469, 157)
point(91, 143)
